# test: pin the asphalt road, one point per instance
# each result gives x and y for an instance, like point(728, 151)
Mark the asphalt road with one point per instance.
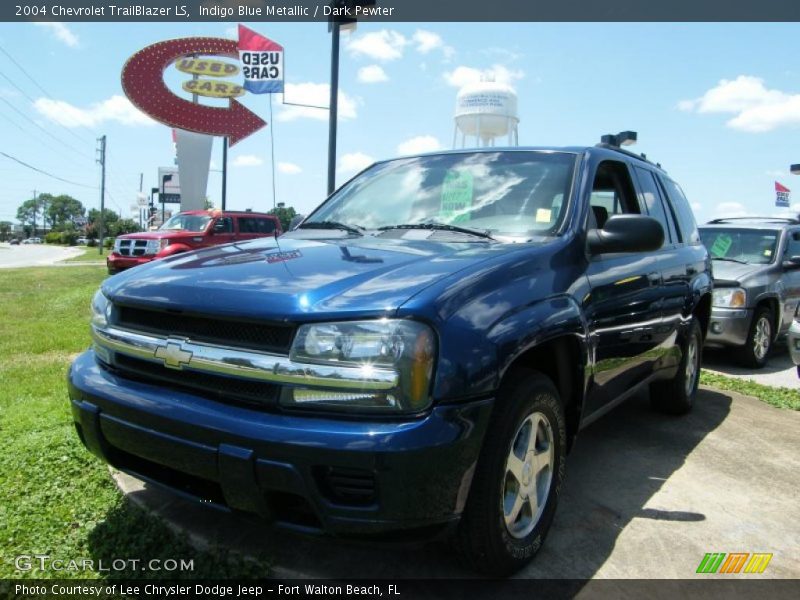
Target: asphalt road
point(646, 496)
point(34, 255)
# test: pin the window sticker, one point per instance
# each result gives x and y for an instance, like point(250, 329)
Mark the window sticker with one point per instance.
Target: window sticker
point(457, 196)
point(543, 215)
point(721, 245)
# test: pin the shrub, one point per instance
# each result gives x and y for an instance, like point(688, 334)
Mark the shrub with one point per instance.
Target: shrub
point(54, 237)
point(108, 242)
point(69, 238)
point(92, 243)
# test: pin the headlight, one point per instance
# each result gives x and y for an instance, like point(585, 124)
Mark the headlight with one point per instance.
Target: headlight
point(156, 246)
point(730, 297)
point(101, 309)
point(406, 347)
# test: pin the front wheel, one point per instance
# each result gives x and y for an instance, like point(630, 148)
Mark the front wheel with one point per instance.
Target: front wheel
point(518, 478)
point(676, 396)
point(756, 349)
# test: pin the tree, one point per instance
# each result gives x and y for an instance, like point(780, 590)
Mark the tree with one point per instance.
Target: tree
point(63, 210)
point(284, 213)
point(28, 213)
point(123, 226)
point(109, 216)
point(5, 230)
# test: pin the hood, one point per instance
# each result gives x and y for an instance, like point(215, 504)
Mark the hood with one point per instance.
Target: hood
point(296, 278)
point(160, 234)
point(733, 273)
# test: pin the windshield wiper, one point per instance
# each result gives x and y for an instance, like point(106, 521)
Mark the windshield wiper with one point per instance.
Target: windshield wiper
point(727, 258)
point(484, 233)
point(331, 225)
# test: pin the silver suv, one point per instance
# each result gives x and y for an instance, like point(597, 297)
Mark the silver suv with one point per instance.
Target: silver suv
point(756, 283)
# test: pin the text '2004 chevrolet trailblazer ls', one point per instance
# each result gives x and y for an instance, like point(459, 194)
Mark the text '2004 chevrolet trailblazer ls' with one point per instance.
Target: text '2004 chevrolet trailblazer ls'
point(416, 357)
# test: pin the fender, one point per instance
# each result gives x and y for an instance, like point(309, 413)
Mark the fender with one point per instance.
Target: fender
point(545, 320)
point(173, 249)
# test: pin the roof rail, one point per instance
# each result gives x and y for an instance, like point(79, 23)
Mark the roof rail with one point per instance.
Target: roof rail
point(771, 219)
point(641, 157)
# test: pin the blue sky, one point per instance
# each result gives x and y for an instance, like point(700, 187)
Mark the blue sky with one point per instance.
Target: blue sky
point(718, 105)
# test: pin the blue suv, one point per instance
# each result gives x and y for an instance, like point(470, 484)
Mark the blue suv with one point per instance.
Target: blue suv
point(416, 357)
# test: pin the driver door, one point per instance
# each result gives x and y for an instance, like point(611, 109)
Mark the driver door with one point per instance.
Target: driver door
point(220, 232)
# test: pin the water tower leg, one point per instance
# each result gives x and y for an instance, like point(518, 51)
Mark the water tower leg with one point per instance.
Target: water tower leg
point(455, 135)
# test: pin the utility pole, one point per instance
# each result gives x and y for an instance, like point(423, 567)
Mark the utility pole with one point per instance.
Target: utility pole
point(224, 170)
point(334, 105)
point(35, 209)
point(102, 161)
point(141, 183)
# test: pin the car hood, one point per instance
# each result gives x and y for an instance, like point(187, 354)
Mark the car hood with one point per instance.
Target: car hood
point(733, 273)
point(289, 278)
point(160, 234)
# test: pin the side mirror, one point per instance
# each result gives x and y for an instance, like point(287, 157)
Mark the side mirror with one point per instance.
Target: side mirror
point(219, 227)
point(626, 233)
point(792, 262)
point(296, 220)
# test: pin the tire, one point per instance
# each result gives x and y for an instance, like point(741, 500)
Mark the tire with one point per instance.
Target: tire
point(676, 396)
point(486, 541)
point(755, 352)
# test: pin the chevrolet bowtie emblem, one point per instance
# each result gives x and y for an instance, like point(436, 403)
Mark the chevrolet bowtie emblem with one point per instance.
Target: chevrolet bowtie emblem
point(173, 355)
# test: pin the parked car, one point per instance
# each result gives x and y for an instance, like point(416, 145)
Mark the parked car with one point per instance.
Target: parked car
point(82, 241)
point(793, 341)
point(14, 242)
point(187, 231)
point(416, 357)
point(756, 281)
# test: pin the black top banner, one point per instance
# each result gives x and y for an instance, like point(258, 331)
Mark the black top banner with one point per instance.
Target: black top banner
point(400, 10)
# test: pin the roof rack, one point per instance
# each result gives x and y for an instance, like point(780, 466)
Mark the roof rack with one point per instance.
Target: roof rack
point(770, 219)
point(641, 157)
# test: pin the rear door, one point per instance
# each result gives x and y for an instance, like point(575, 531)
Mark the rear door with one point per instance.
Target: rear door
point(791, 278)
point(251, 227)
point(623, 307)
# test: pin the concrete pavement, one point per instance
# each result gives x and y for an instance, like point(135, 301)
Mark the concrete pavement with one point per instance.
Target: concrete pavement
point(779, 371)
point(646, 496)
point(34, 255)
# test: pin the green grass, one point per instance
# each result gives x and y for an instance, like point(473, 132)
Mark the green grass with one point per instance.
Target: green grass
point(56, 498)
point(90, 255)
point(781, 397)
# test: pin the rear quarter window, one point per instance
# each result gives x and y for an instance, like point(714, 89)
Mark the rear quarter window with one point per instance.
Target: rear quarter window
point(682, 210)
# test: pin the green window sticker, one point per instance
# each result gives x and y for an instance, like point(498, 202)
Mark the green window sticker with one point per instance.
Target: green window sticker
point(721, 245)
point(457, 196)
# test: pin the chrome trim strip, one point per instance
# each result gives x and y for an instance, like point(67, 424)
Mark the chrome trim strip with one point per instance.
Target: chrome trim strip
point(259, 366)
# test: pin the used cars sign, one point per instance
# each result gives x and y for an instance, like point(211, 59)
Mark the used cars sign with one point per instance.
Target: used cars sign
point(262, 62)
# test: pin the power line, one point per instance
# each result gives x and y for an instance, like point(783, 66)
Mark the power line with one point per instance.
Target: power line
point(24, 164)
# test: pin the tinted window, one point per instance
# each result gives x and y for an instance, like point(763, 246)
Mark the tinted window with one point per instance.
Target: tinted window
point(256, 225)
point(224, 225)
point(793, 245)
point(683, 212)
point(612, 192)
point(652, 200)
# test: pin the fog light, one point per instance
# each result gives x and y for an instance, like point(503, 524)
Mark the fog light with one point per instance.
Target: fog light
point(716, 327)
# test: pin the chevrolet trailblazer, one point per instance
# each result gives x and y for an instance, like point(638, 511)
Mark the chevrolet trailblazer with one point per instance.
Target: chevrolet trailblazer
point(417, 357)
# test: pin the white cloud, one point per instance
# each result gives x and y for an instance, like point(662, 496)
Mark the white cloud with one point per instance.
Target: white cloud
point(316, 94)
point(117, 109)
point(427, 41)
point(756, 108)
point(354, 161)
point(288, 168)
point(247, 160)
point(419, 145)
point(776, 173)
point(383, 45)
point(462, 75)
point(372, 74)
point(62, 33)
point(730, 209)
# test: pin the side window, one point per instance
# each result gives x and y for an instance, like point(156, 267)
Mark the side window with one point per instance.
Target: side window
point(612, 192)
point(265, 225)
point(247, 225)
point(223, 225)
point(683, 212)
point(793, 243)
point(651, 198)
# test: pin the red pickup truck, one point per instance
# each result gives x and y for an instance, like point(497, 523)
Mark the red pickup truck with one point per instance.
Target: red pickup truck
point(187, 231)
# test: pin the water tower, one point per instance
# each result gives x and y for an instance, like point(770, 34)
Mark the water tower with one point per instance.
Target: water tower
point(486, 110)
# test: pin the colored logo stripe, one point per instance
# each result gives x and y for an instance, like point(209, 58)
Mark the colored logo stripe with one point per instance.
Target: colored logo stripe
point(734, 562)
point(758, 563)
point(711, 562)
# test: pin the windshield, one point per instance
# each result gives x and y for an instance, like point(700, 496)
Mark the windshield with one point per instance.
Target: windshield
point(187, 222)
point(753, 246)
point(513, 193)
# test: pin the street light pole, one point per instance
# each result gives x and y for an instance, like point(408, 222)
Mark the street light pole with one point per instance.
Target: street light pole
point(334, 105)
point(102, 161)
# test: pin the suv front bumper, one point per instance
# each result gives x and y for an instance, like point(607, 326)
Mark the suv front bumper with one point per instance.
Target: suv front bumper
point(116, 262)
point(729, 326)
point(342, 476)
